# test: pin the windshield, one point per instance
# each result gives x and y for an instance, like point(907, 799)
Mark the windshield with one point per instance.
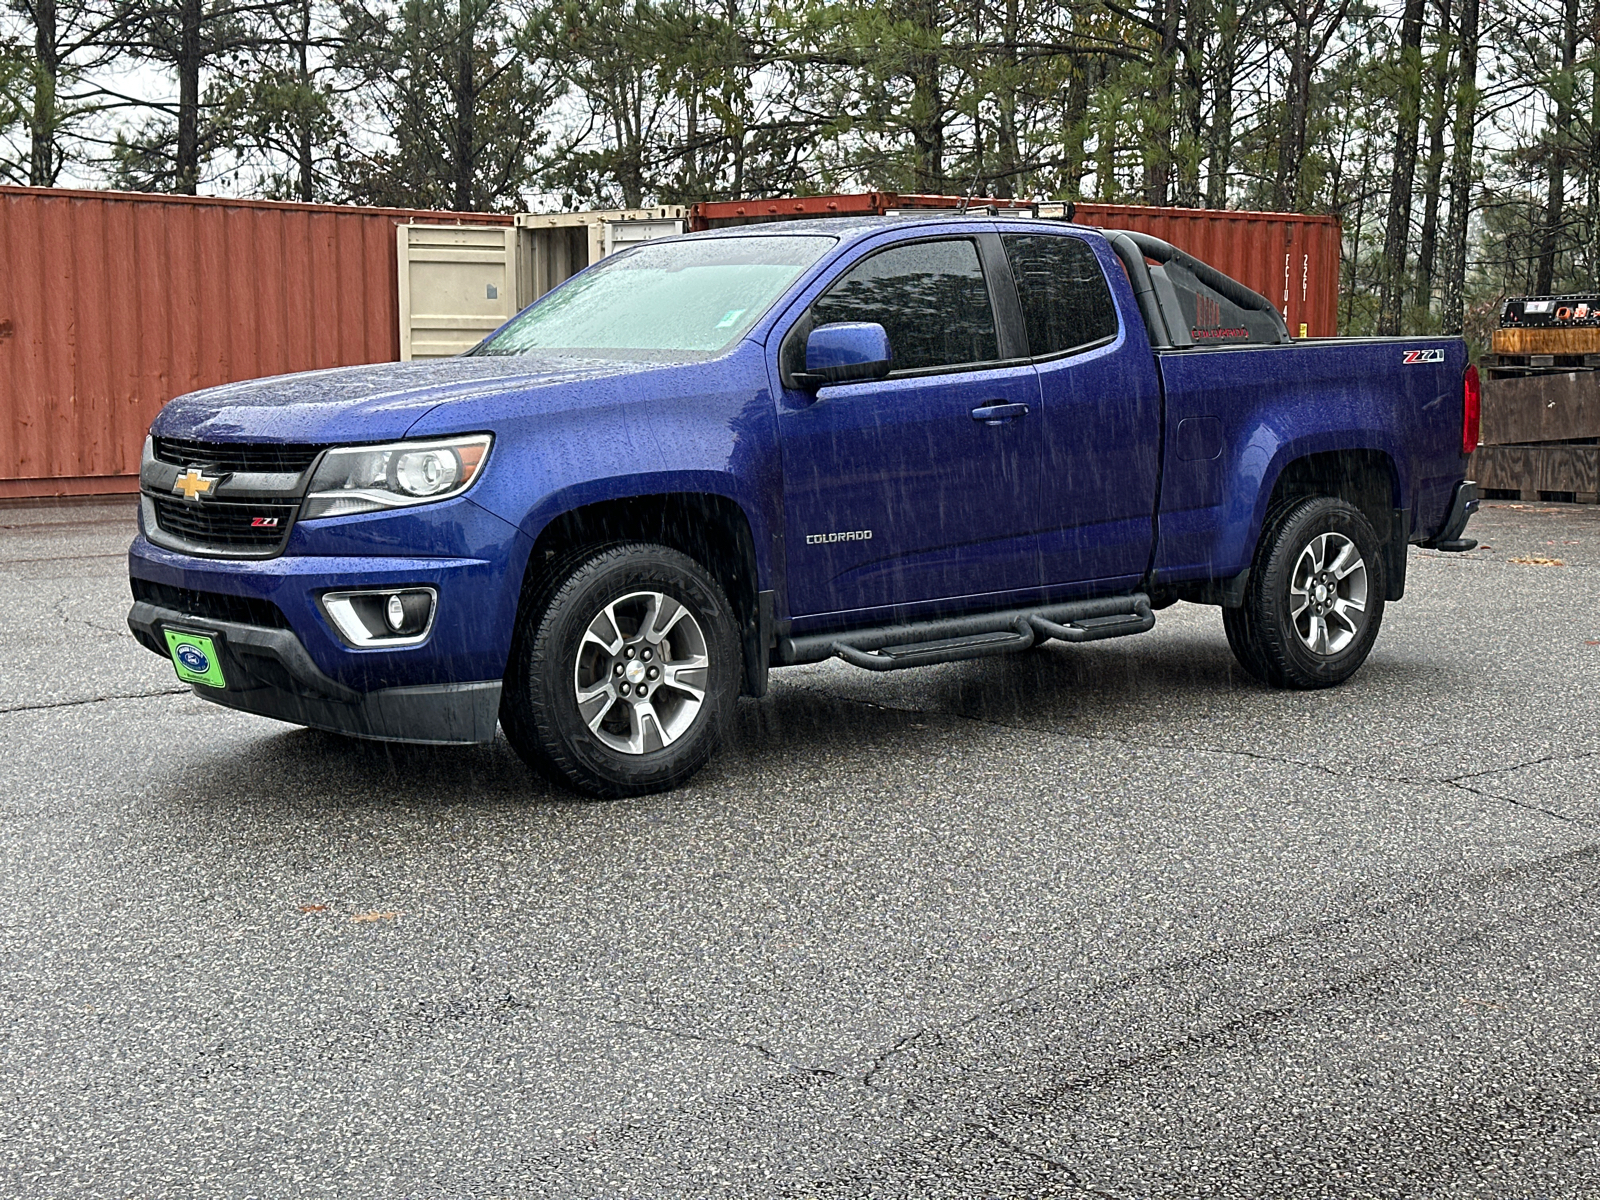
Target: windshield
point(662, 300)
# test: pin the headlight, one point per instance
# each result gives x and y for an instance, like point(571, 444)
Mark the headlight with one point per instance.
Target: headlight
point(361, 479)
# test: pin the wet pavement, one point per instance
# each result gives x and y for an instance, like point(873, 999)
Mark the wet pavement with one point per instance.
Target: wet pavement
point(1107, 920)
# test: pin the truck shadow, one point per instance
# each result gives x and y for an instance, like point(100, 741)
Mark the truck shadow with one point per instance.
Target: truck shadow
point(808, 715)
point(1106, 689)
point(303, 771)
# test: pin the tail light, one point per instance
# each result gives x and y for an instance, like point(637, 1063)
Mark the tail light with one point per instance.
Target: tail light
point(1471, 410)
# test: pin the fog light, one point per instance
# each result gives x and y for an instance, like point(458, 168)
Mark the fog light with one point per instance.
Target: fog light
point(390, 617)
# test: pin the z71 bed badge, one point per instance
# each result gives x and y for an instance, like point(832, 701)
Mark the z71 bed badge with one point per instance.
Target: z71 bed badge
point(1423, 356)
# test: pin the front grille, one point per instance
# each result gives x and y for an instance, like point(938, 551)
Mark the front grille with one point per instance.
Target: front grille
point(244, 457)
point(224, 526)
point(211, 606)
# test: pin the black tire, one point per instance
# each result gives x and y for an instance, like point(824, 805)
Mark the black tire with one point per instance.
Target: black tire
point(1275, 635)
point(635, 748)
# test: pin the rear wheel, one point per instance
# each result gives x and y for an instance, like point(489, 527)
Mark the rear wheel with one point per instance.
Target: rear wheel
point(623, 678)
point(1315, 597)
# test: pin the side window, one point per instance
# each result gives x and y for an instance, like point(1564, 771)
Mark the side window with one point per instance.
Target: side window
point(930, 297)
point(1065, 300)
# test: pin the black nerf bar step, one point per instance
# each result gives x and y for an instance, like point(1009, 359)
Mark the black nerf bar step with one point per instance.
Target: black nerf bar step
point(923, 654)
point(952, 639)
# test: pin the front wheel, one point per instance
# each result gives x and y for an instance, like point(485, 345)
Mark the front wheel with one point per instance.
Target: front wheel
point(623, 676)
point(1315, 597)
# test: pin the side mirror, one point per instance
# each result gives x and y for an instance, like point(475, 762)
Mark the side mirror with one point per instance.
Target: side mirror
point(845, 352)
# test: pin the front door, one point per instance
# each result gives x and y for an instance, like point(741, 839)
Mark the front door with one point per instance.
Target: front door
point(921, 486)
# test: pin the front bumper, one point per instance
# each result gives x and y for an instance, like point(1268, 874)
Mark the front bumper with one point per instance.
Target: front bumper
point(270, 674)
point(291, 663)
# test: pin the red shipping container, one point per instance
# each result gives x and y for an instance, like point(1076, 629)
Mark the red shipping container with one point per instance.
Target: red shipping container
point(112, 303)
point(1290, 258)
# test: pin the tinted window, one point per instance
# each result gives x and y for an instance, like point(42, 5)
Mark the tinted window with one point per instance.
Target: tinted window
point(929, 296)
point(1065, 300)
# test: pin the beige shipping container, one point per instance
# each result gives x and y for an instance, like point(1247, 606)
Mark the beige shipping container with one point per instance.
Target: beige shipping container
point(459, 283)
point(456, 284)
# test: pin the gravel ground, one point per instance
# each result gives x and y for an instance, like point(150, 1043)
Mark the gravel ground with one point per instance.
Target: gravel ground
point(1107, 920)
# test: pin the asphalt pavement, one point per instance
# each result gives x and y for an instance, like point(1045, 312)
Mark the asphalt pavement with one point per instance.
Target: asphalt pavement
point(1108, 920)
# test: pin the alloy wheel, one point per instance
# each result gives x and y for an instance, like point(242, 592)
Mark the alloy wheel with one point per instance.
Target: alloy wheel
point(1328, 593)
point(641, 673)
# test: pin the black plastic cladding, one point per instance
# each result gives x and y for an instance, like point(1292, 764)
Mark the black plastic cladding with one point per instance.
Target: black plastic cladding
point(210, 606)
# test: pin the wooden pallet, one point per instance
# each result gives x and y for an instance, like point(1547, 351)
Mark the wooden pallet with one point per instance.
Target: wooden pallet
point(1542, 408)
point(1548, 340)
point(1549, 473)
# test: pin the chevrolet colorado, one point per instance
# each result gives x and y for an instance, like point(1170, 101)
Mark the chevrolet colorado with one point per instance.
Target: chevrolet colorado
point(891, 441)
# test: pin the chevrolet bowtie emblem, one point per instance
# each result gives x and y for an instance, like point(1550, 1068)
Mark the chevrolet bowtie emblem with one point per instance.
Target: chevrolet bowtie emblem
point(193, 484)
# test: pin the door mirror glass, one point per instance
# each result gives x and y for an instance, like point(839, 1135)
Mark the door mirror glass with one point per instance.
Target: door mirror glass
point(845, 352)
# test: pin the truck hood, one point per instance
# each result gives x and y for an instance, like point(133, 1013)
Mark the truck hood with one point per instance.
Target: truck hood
point(361, 404)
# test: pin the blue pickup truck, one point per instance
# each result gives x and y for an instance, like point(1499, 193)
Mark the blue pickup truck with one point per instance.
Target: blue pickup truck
point(890, 441)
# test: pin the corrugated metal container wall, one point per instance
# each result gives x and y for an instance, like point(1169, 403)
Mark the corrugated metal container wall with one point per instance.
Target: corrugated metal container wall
point(1290, 258)
point(113, 303)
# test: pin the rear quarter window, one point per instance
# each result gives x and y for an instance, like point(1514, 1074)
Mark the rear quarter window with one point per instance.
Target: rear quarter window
point(1066, 302)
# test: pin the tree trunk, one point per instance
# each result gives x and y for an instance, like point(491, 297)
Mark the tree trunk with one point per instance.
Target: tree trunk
point(186, 165)
point(1391, 296)
point(1191, 125)
point(304, 148)
point(1158, 133)
point(1072, 119)
point(1555, 195)
point(1466, 116)
point(1363, 188)
point(1437, 115)
point(629, 126)
point(43, 162)
point(927, 102)
point(1105, 156)
point(466, 111)
point(1219, 149)
point(1594, 149)
point(1296, 107)
point(1007, 152)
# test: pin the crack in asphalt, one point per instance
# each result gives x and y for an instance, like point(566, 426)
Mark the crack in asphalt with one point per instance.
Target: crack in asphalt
point(1311, 930)
point(1483, 917)
point(1453, 781)
point(882, 1060)
point(60, 611)
point(1072, 1177)
point(712, 1040)
point(1258, 1018)
point(182, 691)
point(1532, 762)
point(55, 558)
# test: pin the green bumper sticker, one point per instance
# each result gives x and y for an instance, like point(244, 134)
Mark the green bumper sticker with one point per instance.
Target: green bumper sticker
point(195, 658)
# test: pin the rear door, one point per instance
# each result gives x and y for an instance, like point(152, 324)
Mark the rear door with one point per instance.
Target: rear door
point(1099, 432)
point(921, 486)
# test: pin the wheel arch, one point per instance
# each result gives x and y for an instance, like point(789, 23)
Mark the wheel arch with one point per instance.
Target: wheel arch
point(711, 528)
point(1369, 480)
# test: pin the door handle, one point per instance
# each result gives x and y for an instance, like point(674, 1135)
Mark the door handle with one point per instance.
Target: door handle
point(999, 414)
